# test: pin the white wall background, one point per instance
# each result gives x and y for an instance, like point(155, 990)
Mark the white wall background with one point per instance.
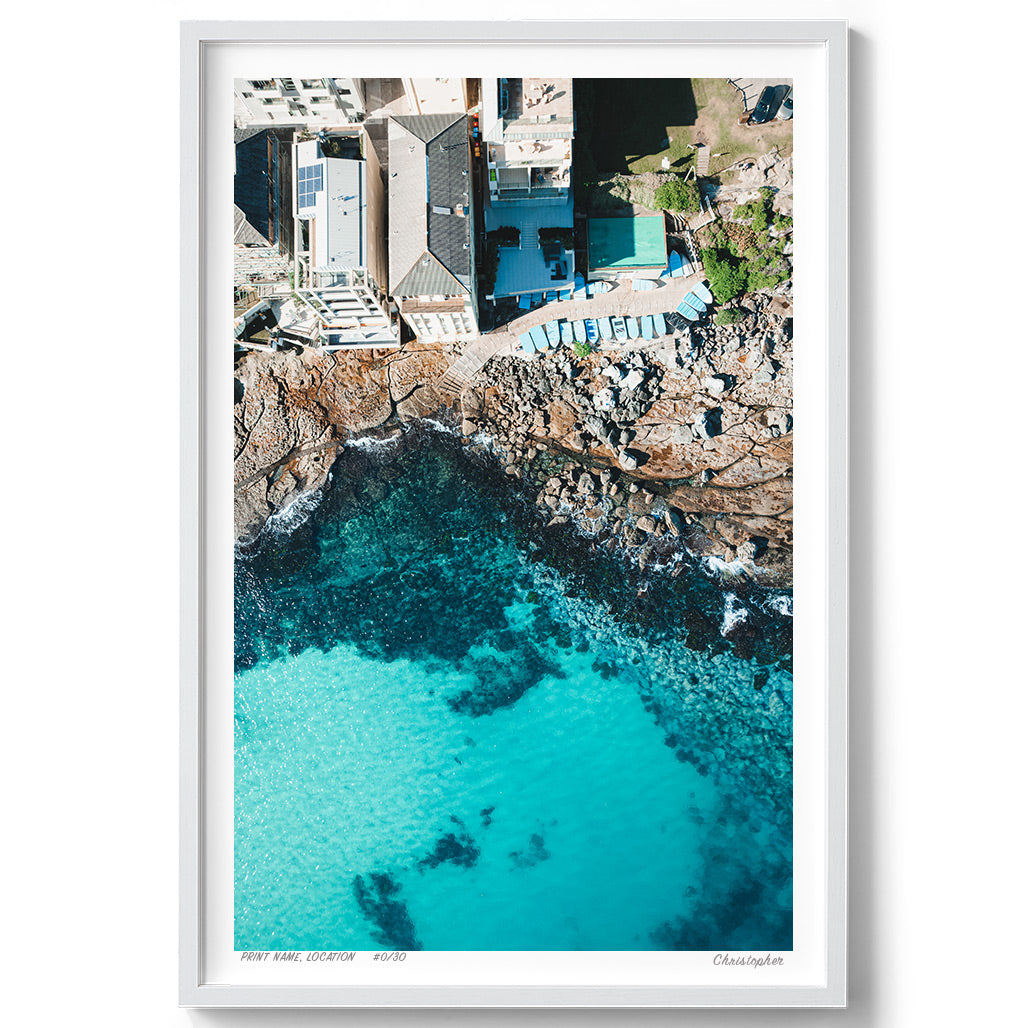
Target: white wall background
point(90, 412)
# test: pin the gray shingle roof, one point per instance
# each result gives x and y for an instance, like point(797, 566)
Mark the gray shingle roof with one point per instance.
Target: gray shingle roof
point(429, 205)
point(426, 126)
point(243, 233)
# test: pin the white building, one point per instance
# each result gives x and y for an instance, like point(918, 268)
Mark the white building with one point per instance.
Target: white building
point(527, 126)
point(336, 254)
point(436, 96)
point(317, 103)
point(527, 131)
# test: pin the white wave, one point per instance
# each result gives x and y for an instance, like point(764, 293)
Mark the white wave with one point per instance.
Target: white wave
point(289, 518)
point(485, 440)
point(440, 427)
point(372, 442)
point(735, 613)
point(780, 605)
point(723, 568)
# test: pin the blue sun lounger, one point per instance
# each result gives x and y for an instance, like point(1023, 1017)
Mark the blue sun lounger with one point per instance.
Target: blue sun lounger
point(695, 302)
point(647, 326)
point(551, 295)
point(566, 294)
point(606, 329)
point(592, 330)
point(703, 292)
point(552, 332)
point(579, 287)
point(581, 336)
point(538, 334)
point(633, 328)
point(687, 312)
point(643, 285)
point(567, 336)
point(525, 301)
point(659, 327)
point(674, 265)
point(526, 343)
point(686, 267)
point(620, 331)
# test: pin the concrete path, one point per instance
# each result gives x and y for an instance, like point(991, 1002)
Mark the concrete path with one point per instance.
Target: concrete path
point(472, 359)
point(621, 300)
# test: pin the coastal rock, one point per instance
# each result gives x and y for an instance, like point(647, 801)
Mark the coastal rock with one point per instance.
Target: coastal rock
point(633, 380)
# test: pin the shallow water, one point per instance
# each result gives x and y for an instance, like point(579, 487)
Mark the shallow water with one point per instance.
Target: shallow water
point(456, 730)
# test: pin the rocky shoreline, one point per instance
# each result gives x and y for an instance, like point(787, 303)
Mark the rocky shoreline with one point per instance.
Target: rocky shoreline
point(676, 447)
point(684, 447)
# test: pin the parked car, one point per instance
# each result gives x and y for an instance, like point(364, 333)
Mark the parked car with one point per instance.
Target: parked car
point(762, 111)
point(785, 111)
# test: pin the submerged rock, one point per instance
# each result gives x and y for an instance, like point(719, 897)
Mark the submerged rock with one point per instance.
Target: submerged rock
point(377, 899)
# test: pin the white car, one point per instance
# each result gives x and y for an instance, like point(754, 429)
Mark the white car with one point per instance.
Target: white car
point(785, 109)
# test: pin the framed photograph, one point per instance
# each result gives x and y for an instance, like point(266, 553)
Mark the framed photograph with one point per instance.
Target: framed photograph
point(514, 521)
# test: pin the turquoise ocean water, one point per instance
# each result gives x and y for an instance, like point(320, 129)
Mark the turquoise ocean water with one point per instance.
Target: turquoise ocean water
point(457, 730)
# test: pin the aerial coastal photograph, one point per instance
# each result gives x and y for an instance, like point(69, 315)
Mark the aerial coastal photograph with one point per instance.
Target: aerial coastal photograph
point(513, 514)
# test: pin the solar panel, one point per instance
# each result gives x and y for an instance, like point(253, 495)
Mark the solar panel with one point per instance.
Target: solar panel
point(309, 181)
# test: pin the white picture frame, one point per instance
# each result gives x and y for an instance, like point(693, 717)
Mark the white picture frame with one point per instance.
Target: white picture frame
point(205, 556)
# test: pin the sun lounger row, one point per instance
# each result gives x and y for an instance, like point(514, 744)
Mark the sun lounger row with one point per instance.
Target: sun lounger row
point(618, 329)
point(695, 302)
point(592, 330)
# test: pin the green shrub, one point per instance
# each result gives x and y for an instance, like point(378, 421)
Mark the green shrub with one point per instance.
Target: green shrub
point(506, 235)
point(564, 236)
point(678, 196)
point(756, 210)
point(581, 349)
point(730, 316)
point(490, 264)
point(727, 279)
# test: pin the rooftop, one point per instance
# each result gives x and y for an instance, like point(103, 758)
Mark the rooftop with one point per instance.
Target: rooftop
point(526, 109)
point(336, 198)
point(429, 205)
point(524, 269)
point(548, 98)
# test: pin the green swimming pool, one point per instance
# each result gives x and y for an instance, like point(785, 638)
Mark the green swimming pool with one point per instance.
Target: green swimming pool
point(627, 242)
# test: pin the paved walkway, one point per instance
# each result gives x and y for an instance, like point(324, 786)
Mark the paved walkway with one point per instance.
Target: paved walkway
point(473, 358)
point(621, 300)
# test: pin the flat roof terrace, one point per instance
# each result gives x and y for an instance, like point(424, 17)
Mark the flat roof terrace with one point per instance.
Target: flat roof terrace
point(627, 243)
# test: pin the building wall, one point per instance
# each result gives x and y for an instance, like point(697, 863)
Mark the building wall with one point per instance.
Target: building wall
point(378, 215)
point(297, 101)
point(449, 326)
